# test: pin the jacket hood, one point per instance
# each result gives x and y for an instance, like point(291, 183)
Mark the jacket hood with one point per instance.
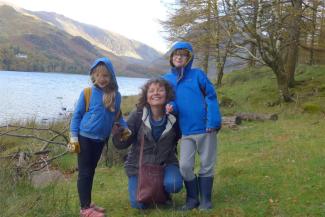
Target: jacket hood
point(186, 46)
point(108, 65)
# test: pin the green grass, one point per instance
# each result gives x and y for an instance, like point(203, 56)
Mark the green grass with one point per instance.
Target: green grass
point(270, 168)
point(273, 168)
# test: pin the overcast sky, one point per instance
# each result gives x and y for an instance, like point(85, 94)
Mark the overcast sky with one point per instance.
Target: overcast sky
point(135, 19)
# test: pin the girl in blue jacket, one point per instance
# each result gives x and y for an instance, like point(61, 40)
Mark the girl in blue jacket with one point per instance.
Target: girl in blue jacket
point(92, 128)
point(199, 118)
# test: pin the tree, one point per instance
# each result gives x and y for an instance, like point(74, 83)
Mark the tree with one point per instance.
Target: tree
point(7, 57)
point(221, 41)
point(190, 21)
point(310, 43)
point(295, 15)
point(314, 21)
point(254, 5)
point(313, 32)
point(198, 21)
point(276, 35)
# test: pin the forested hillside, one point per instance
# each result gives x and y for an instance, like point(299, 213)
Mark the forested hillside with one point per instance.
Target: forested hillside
point(30, 42)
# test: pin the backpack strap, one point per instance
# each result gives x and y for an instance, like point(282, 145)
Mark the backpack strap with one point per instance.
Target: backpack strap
point(87, 95)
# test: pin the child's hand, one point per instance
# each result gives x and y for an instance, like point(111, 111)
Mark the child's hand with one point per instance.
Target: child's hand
point(169, 108)
point(73, 145)
point(210, 130)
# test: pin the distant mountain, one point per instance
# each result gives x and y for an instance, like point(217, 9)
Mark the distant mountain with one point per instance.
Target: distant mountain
point(45, 41)
point(104, 39)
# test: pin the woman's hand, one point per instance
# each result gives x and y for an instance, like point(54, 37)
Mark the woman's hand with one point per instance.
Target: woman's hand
point(126, 133)
point(120, 132)
point(169, 108)
point(116, 129)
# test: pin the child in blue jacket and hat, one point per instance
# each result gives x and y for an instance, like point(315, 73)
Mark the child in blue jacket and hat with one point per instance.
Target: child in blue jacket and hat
point(91, 129)
point(199, 118)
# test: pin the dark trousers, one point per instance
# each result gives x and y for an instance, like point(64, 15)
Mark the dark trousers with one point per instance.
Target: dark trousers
point(90, 151)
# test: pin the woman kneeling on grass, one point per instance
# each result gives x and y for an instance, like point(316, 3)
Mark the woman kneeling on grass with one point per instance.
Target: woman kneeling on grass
point(160, 132)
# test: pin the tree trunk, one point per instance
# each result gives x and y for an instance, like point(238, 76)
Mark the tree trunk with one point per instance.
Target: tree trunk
point(321, 35)
point(311, 54)
point(283, 83)
point(312, 41)
point(294, 33)
point(206, 40)
point(220, 74)
point(221, 64)
point(252, 61)
point(205, 64)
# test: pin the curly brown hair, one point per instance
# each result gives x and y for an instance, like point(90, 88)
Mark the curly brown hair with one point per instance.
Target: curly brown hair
point(142, 102)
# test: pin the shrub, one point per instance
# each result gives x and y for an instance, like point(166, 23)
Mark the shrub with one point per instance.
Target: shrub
point(321, 88)
point(311, 108)
point(227, 102)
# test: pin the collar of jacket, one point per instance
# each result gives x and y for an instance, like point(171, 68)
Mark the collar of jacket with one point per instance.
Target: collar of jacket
point(179, 72)
point(171, 119)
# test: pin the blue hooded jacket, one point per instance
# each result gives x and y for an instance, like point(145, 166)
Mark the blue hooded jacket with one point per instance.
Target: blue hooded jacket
point(98, 121)
point(196, 100)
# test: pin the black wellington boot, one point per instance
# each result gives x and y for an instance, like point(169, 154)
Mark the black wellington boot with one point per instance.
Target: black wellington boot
point(205, 186)
point(192, 195)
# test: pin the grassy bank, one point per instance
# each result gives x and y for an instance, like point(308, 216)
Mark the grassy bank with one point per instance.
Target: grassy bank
point(271, 168)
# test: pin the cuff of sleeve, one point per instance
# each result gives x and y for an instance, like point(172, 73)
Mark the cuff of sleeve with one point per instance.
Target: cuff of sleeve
point(73, 135)
point(74, 139)
point(123, 123)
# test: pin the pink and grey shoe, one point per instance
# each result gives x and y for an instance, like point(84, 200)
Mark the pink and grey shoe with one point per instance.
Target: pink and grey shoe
point(90, 212)
point(97, 208)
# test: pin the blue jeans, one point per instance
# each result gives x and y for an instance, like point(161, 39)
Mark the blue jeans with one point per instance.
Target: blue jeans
point(173, 183)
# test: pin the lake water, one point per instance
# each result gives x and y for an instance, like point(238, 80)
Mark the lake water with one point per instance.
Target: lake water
point(47, 96)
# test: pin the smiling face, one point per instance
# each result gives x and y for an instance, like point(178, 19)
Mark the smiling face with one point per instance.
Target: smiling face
point(156, 95)
point(101, 76)
point(180, 58)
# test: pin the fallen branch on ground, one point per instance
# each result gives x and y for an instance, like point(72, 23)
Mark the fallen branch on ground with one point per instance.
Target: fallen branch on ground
point(28, 160)
point(234, 121)
point(231, 121)
point(257, 116)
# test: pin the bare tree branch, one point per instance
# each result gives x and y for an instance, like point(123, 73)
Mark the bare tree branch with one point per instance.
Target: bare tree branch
point(35, 137)
point(46, 162)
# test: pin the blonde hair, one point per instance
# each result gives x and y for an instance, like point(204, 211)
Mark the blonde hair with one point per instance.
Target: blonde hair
point(109, 90)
